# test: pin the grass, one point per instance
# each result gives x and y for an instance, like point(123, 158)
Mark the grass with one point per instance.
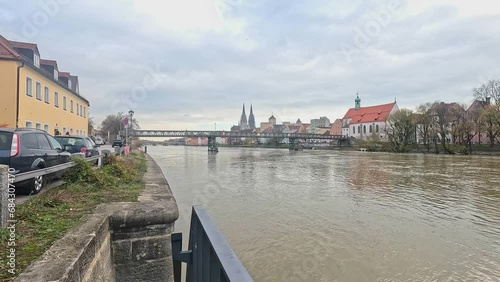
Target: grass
point(46, 218)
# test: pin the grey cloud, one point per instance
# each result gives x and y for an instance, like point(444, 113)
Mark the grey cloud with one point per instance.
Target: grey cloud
point(294, 69)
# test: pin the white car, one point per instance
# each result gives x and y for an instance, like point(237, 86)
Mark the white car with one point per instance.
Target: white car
point(99, 141)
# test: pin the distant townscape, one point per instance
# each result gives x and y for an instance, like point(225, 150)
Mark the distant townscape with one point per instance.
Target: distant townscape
point(450, 126)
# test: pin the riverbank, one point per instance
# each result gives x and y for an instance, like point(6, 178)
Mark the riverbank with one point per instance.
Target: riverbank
point(436, 149)
point(43, 220)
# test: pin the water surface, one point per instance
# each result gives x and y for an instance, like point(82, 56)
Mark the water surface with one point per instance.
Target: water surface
point(345, 216)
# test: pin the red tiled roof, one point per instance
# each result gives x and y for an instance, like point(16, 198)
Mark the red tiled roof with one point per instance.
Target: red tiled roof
point(369, 114)
point(6, 50)
point(24, 45)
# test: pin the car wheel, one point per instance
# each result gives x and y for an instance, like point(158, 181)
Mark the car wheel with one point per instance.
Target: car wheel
point(36, 184)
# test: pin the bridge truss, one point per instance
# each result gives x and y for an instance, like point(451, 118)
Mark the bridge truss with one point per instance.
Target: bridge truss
point(293, 138)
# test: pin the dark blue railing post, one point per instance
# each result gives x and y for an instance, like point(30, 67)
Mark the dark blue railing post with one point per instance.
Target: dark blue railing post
point(209, 258)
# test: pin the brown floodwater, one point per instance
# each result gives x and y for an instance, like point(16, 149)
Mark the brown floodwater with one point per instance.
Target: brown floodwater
point(345, 216)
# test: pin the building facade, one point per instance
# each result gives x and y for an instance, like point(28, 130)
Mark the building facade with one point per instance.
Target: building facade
point(336, 128)
point(320, 122)
point(35, 94)
point(366, 122)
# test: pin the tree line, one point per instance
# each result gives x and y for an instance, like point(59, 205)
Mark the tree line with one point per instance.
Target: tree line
point(452, 126)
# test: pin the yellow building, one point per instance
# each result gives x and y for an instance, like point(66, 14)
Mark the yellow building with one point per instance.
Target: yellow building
point(33, 93)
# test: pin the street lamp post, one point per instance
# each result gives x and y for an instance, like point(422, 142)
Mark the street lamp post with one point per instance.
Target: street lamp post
point(131, 114)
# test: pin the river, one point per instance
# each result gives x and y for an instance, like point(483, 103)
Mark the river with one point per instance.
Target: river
point(345, 216)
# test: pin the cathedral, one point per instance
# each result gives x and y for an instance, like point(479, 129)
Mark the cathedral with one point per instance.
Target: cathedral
point(244, 124)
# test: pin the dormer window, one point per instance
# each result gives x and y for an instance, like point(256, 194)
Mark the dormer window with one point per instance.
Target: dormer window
point(36, 61)
point(56, 74)
point(69, 83)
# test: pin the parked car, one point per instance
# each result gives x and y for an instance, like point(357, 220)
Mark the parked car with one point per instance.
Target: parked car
point(99, 141)
point(26, 149)
point(78, 144)
point(117, 143)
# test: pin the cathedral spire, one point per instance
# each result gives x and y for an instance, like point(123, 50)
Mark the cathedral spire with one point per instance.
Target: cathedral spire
point(243, 119)
point(251, 118)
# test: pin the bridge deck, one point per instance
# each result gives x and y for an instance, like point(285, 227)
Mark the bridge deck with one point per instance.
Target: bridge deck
point(231, 134)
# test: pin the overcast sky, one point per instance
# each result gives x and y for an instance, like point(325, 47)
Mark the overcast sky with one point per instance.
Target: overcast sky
point(192, 63)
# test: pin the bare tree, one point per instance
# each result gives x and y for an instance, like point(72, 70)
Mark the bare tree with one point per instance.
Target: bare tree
point(114, 124)
point(423, 122)
point(91, 125)
point(491, 118)
point(400, 129)
point(486, 92)
point(441, 112)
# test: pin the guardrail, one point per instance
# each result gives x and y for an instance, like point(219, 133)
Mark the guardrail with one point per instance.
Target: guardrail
point(209, 257)
point(44, 171)
point(7, 189)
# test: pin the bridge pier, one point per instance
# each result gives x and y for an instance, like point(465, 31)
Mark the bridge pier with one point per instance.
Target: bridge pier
point(292, 144)
point(212, 144)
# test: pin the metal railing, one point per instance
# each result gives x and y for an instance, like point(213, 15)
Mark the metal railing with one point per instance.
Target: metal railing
point(232, 134)
point(209, 257)
point(44, 171)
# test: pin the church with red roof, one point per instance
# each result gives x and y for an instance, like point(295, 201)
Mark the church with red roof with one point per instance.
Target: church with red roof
point(364, 122)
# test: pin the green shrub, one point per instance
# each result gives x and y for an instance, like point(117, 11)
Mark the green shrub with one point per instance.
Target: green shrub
point(82, 171)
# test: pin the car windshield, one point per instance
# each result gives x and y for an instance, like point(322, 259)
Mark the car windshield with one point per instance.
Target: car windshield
point(70, 141)
point(5, 140)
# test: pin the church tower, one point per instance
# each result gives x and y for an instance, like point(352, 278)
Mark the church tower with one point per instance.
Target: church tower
point(251, 118)
point(243, 120)
point(357, 102)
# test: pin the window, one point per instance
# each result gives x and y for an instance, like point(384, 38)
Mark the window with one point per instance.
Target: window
point(56, 74)
point(43, 143)
point(364, 128)
point(29, 87)
point(29, 141)
point(38, 90)
point(46, 95)
point(371, 128)
point(64, 131)
point(354, 130)
point(56, 99)
point(5, 140)
point(376, 128)
point(84, 133)
point(77, 132)
point(69, 83)
point(71, 131)
point(71, 106)
point(64, 103)
point(36, 61)
point(81, 110)
point(55, 144)
point(38, 125)
point(84, 114)
point(46, 128)
point(77, 109)
point(29, 124)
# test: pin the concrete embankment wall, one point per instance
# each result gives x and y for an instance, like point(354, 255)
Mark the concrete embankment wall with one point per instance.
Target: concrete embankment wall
point(118, 242)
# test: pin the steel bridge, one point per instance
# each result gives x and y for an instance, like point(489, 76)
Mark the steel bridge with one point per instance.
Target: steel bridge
point(293, 138)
